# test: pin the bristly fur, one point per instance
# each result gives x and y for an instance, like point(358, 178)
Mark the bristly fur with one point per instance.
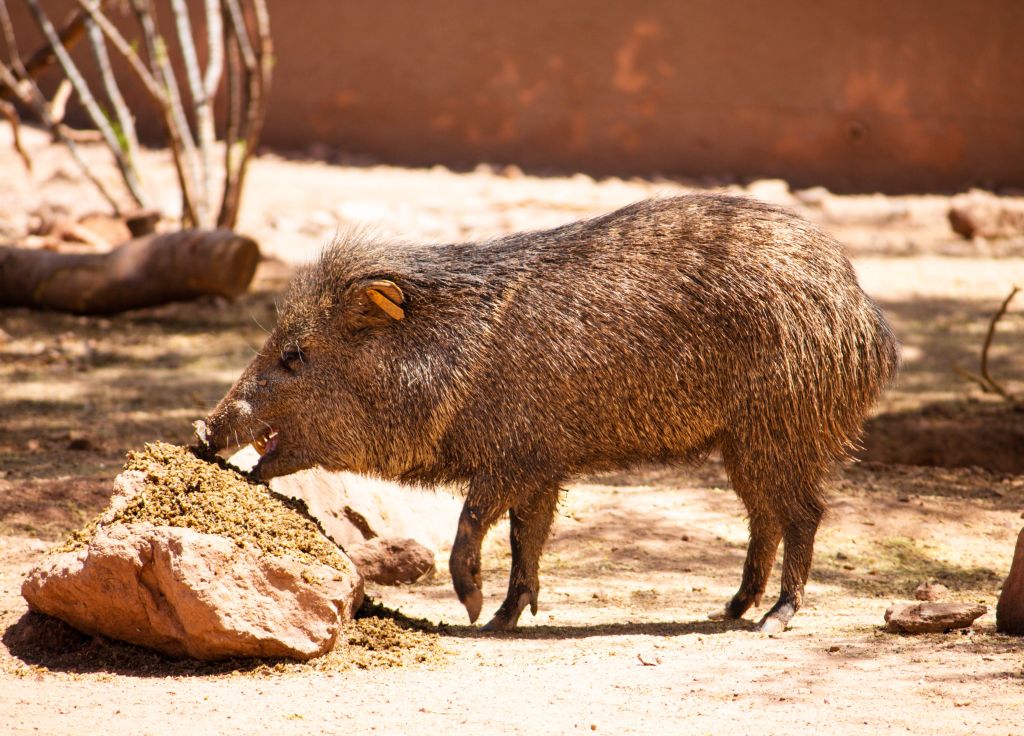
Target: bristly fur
point(656, 332)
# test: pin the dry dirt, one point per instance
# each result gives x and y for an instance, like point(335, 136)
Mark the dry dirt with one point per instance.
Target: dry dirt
point(622, 643)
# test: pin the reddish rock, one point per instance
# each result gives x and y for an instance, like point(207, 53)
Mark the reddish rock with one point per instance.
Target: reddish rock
point(931, 591)
point(978, 214)
point(390, 561)
point(1010, 611)
point(185, 593)
point(930, 618)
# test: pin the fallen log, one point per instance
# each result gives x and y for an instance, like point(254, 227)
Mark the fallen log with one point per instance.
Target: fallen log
point(144, 272)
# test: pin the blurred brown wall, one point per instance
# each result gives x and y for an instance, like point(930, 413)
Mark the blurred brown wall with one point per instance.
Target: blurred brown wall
point(853, 94)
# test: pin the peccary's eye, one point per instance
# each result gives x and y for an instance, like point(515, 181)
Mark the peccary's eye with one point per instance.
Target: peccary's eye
point(292, 358)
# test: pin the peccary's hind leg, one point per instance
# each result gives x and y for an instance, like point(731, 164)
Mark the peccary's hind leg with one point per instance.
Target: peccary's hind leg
point(798, 538)
point(765, 535)
point(530, 522)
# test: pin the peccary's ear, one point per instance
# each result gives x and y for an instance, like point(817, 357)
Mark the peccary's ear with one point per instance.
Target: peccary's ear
point(377, 302)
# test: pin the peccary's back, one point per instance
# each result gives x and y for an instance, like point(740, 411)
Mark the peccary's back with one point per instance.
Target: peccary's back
point(648, 332)
point(654, 332)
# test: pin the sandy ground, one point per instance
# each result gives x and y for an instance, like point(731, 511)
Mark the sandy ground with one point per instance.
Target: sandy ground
point(622, 643)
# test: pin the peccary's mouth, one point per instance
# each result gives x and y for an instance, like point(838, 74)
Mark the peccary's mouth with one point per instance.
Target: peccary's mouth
point(266, 443)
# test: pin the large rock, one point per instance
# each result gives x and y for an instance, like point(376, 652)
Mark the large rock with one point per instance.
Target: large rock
point(930, 618)
point(1010, 610)
point(353, 509)
point(185, 593)
point(390, 561)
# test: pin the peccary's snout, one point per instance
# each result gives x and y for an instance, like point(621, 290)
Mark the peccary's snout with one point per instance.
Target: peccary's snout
point(226, 427)
point(249, 415)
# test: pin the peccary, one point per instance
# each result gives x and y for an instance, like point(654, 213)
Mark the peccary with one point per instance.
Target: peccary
point(655, 333)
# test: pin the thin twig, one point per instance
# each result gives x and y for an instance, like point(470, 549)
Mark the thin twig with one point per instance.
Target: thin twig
point(233, 83)
point(31, 96)
point(88, 102)
point(183, 25)
point(119, 42)
point(59, 103)
point(183, 147)
point(259, 82)
point(71, 32)
point(11, 113)
point(211, 81)
point(164, 93)
point(242, 71)
point(42, 58)
point(988, 342)
point(126, 122)
point(985, 380)
point(11, 42)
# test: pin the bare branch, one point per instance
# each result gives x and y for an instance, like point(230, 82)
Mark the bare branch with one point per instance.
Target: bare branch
point(88, 101)
point(8, 111)
point(30, 96)
point(204, 120)
point(179, 139)
point(234, 80)
point(183, 146)
point(70, 34)
point(126, 122)
point(125, 49)
point(204, 112)
point(988, 384)
point(988, 343)
point(59, 103)
point(258, 60)
point(10, 41)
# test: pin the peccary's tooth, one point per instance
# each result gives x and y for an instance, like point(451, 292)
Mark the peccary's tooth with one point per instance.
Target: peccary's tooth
point(260, 443)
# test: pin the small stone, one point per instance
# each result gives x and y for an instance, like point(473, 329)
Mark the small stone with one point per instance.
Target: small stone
point(389, 561)
point(813, 197)
point(78, 441)
point(930, 591)
point(931, 618)
point(109, 228)
point(774, 191)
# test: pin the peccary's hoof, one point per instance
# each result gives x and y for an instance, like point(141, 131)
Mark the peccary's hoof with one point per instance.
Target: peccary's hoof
point(503, 621)
point(473, 602)
point(771, 625)
point(499, 623)
point(720, 614)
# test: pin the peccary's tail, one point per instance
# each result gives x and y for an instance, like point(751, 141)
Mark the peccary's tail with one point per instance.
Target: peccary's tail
point(879, 363)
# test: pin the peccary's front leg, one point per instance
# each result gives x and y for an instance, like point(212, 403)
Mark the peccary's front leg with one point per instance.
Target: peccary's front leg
point(486, 501)
point(530, 522)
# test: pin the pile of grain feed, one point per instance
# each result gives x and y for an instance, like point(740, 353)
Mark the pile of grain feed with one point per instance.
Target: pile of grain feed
point(182, 488)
